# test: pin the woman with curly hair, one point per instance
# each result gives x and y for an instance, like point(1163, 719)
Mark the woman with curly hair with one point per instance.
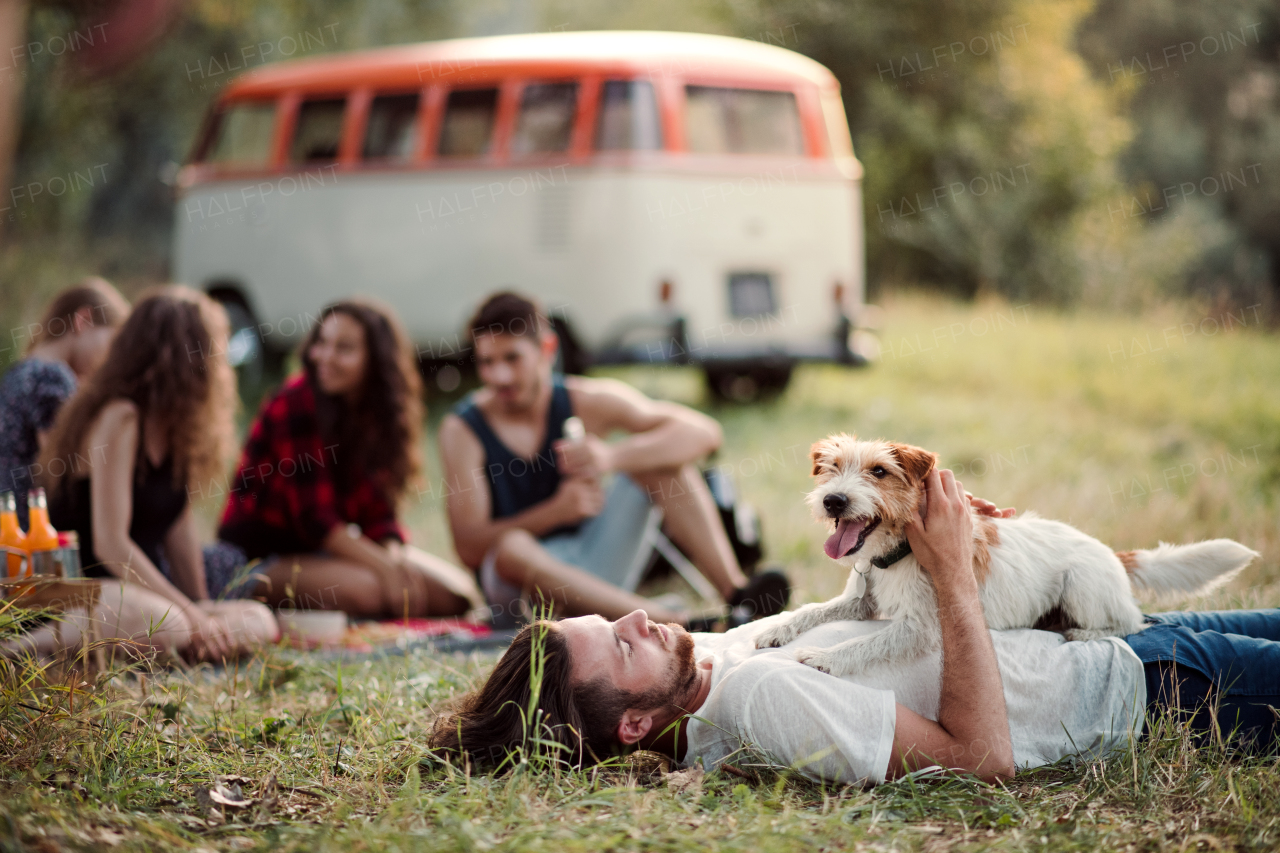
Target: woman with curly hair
point(326, 462)
point(120, 462)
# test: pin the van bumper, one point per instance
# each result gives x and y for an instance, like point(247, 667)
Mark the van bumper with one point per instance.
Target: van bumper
point(675, 348)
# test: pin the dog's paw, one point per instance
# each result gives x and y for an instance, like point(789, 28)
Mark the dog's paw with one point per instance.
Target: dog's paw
point(777, 635)
point(823, 660)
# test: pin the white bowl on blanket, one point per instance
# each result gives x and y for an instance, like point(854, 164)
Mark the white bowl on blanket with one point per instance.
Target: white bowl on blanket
point(313, 627)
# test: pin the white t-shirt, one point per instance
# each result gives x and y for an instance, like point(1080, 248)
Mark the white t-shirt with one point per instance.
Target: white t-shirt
point(1063, 698)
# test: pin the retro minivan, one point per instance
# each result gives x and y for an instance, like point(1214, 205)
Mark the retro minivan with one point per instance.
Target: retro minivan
point(668, 197)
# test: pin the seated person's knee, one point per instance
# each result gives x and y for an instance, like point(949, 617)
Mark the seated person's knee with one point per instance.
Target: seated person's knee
point(511, 554)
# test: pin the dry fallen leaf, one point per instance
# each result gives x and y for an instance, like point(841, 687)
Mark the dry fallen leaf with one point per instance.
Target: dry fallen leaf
point(216, 799)
point(686, 781)
point(268, 797)
point(208, 809)
point(109, 837)
point(229, 795)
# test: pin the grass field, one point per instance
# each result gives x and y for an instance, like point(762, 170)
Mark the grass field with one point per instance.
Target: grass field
point(1165, 427)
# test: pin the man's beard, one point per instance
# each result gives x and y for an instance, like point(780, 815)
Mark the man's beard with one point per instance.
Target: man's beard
point(683, 675)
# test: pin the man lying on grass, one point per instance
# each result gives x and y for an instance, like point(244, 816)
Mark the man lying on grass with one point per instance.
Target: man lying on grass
point(992, 702)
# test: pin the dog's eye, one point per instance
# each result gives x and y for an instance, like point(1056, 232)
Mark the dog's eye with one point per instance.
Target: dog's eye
point(878, 472)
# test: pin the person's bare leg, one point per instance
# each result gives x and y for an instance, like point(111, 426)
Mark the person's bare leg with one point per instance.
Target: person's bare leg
point(522, 562)
point(310, 582)
point(140, 620)
point(451, 591)
point(692, 521)
point(39, 641)
point(250, 622)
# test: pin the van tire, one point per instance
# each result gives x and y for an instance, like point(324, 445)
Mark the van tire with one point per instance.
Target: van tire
point(574, 357)
point(747, 383)
point(256, 362)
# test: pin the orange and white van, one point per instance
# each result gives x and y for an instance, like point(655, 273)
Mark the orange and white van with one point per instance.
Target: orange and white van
point(669, 197)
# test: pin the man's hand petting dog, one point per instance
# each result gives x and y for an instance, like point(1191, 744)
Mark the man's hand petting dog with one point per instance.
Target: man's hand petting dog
point(942, 538)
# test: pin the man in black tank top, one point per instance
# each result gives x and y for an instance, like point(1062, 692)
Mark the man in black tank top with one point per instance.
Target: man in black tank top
point(528, 504)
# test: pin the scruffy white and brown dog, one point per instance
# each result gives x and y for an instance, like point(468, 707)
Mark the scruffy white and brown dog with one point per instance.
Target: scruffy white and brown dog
point(1032, 571)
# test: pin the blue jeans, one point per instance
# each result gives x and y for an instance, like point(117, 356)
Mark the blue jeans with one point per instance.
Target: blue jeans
point(1229, 659)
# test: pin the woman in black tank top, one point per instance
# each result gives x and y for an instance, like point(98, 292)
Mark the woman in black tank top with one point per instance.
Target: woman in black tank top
point(147, 428)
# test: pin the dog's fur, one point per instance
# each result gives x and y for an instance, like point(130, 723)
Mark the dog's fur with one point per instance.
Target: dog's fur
point(1032, 572)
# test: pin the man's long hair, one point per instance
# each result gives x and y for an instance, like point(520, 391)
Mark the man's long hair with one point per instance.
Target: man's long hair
point(169, 360)
point(530, 702)
point(380, 435)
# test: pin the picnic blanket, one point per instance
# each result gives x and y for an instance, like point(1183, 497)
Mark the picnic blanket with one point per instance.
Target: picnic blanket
point(400, 636)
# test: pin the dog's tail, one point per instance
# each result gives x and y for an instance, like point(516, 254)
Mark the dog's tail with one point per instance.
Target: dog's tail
point(1195, 568)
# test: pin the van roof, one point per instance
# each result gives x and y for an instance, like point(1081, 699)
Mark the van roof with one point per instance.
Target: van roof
point(647, 53)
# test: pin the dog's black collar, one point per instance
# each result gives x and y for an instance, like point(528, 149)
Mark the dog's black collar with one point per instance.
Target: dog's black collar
point(884, 562)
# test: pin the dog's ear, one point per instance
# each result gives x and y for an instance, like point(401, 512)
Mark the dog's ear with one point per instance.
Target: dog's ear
point(916, 461)
point(820, 456)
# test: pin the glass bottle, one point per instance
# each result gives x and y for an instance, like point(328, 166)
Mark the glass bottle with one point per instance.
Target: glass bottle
point(42, 538)
point(11, 535)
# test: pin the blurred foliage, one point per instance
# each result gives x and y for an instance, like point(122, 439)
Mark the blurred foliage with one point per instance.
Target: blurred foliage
point(995, 161)
point(1202, 82)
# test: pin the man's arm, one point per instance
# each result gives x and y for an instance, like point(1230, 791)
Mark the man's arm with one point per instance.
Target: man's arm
point(662, 434)
point(469, 503)
point(972, 731)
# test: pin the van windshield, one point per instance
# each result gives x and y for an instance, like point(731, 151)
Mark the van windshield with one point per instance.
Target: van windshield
point(467, 130)
point(742, 121)
point(628, 117)
point(318, 131)
point(546, 118)
point(242, 134)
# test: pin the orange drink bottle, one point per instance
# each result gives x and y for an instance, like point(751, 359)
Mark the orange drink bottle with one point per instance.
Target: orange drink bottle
point(11, 535)
point(42, 539)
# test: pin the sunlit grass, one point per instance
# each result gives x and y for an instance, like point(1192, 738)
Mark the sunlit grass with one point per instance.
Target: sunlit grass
point(1060, 414)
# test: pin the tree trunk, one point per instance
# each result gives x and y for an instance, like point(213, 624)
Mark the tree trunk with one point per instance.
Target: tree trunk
point(13, 64)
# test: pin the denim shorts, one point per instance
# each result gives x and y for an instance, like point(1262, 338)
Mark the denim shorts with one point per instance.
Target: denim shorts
point(608, 546)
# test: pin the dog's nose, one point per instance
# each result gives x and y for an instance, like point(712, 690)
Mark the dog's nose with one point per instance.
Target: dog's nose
point(835, 504)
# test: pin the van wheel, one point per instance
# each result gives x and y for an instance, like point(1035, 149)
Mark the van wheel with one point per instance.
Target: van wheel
point(742, 384)
point(573, 356)
point(255, 363)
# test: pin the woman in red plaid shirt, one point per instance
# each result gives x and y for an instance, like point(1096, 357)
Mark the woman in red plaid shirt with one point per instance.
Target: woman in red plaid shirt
point(326, 461)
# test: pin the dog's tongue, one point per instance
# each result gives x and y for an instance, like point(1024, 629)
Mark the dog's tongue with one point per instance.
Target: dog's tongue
point(845, 538)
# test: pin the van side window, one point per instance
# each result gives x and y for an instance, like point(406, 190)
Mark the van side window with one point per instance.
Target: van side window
point(392, 129)
point(467, 130)
point(242, 135)
point(628, 117)
point(742, 121)
point(318, 131)
point(546, 116)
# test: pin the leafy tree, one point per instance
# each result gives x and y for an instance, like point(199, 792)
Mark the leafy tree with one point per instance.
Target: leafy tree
point(983, 138)
point(1203, 80)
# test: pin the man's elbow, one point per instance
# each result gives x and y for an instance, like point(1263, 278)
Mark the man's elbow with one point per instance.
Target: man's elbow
point(997, 767)
point(711, 434)
point(992, 775)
